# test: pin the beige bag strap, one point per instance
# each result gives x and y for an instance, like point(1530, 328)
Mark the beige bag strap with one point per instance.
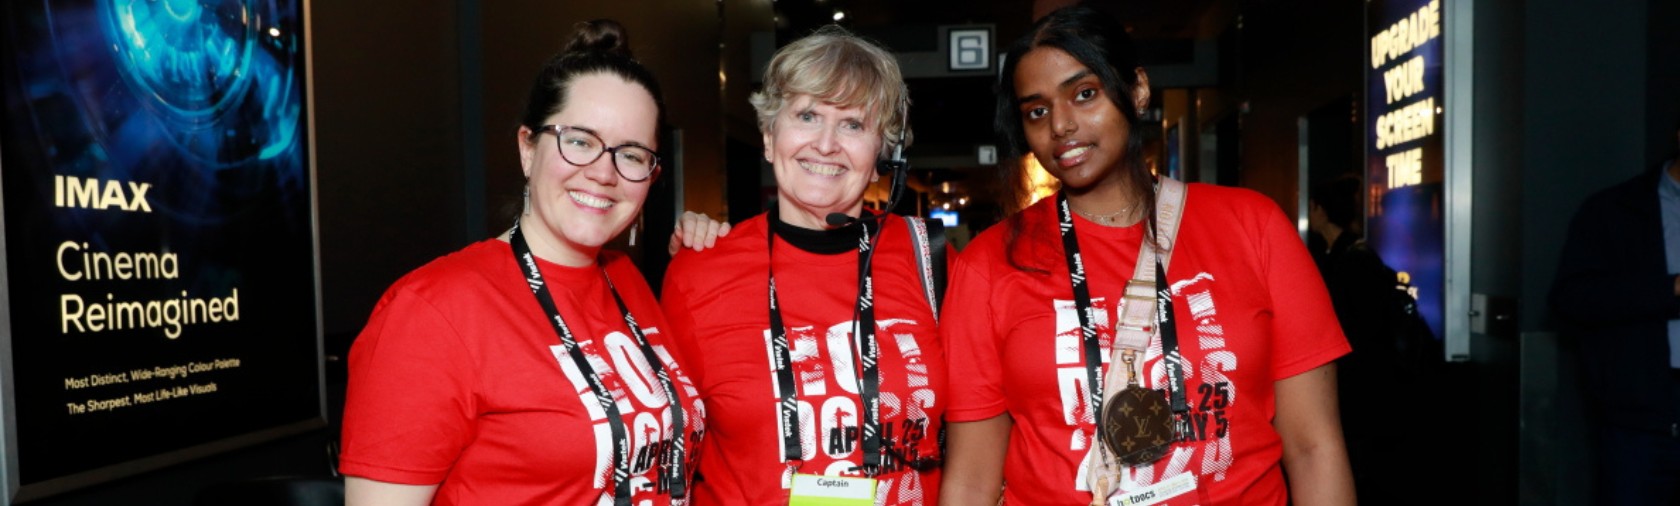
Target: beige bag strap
point(1137, 323)
point(1137, 313)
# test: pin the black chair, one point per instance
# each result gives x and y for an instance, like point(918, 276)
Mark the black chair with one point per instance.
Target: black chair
point(275, 491)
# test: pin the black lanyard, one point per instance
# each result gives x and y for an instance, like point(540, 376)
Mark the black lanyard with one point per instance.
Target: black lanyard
point(869, 383)
point(671, 468)
point(1092, 346)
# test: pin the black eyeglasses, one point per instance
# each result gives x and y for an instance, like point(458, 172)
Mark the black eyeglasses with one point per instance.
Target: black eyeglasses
point(582, 147)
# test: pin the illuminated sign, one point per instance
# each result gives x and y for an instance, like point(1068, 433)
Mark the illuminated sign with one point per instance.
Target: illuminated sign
point(159, 281)
point(1405, 110)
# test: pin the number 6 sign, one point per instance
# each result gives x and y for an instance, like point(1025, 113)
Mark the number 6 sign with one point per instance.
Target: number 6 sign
point(970, 49)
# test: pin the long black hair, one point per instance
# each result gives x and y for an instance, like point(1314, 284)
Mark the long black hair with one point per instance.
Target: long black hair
point(1099, 42)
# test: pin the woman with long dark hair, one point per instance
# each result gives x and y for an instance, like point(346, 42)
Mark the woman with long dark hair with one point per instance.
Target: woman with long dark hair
point(1132, 337)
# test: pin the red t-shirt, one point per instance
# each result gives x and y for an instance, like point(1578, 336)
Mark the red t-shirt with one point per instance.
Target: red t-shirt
point(1250, 310)
point(718, 304)
point(460, 380)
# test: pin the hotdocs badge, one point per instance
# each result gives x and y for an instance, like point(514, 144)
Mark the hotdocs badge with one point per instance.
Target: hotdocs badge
point(1169, 492)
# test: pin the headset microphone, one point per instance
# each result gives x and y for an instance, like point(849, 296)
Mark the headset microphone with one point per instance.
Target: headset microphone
point(839, 219)
point(897, 165)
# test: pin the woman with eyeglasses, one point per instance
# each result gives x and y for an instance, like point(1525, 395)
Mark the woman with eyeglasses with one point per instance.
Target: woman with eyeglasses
point(1132, 340)
point(533, 368)
point(805, 402)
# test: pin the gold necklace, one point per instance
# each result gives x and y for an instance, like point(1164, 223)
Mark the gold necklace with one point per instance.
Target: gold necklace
point(1104, 218)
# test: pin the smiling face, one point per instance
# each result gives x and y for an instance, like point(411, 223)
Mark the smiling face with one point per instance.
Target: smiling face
point(824, 158)
point(575, 209)
point(1072, 126)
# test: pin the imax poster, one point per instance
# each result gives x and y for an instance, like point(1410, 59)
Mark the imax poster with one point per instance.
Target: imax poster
point(159, 242)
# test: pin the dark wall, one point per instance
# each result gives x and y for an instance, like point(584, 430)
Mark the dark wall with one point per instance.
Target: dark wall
point(1662, 87)
point(1598, 104)
point(1586, 82)
point(1491, 377)
point(1294, 57)
point(1334, 141)
point(388, 159)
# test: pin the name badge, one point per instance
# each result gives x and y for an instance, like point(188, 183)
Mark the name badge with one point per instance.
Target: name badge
point(815, 490)
point(1161, 492)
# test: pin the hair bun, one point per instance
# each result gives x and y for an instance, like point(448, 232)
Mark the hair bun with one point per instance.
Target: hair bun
point(601, 35)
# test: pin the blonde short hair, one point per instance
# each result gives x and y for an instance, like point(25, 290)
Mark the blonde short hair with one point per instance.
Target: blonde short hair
point(837, 67)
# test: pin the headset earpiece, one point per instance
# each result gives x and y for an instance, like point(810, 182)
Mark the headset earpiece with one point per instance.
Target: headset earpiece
point(897, 164)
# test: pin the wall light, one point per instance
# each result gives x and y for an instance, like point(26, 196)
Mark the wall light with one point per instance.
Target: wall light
point(1042, 183)
point(839, 15)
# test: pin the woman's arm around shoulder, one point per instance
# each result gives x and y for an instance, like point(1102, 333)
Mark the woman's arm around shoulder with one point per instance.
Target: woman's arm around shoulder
point(1314, 456)
point(696, 231)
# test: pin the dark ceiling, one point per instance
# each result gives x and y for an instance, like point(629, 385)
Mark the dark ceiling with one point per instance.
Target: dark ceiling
point(1176, 19)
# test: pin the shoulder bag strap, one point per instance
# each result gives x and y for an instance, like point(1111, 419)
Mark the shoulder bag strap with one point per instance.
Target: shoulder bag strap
point(932, 272)
point(1138, 313)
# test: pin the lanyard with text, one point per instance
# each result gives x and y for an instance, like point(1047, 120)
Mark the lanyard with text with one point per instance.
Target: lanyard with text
point(671, 470)
point(1131, 340)
point(869, 383)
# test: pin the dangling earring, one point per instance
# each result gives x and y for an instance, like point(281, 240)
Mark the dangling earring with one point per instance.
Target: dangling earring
point(526, 207)
point(633, 228)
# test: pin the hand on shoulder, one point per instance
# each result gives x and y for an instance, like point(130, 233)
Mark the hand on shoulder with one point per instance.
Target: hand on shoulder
point(696, 231)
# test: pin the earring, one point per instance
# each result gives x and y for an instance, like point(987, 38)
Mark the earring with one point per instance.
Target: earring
point(526, 208)
point(633, 228)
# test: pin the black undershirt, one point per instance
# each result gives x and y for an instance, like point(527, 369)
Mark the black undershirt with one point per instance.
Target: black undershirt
point(832, 241)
